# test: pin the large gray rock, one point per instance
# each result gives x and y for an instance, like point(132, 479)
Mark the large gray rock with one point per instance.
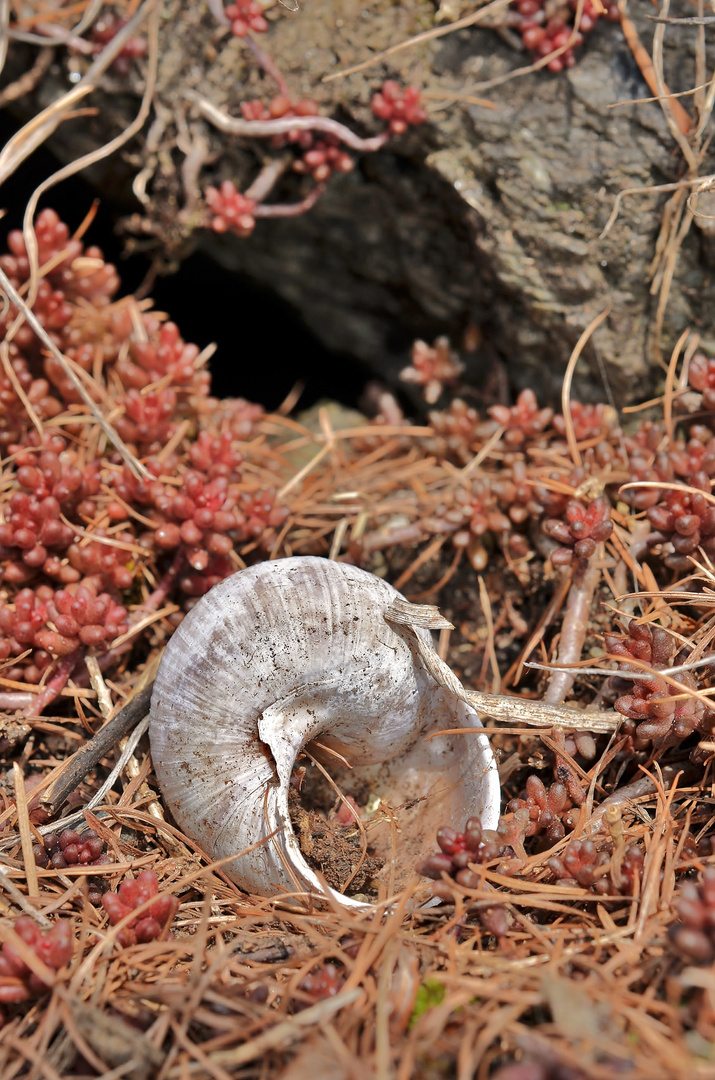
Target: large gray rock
point(486, 216)
point(495, 216)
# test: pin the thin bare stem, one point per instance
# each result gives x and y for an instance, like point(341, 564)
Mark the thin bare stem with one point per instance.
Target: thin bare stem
point(427, 35)
point(58, 681)
point(566, 385)
point(584, 583)
point(498, 706)
point(77, 767)
point(39, 129)
point(266, 180)
point(248, 129)
point(284, 210)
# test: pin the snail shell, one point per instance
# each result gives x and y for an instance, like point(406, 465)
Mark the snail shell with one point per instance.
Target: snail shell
point(287, 652)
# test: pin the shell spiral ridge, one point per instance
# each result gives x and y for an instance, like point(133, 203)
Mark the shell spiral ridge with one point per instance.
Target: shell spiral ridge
point(273, 657)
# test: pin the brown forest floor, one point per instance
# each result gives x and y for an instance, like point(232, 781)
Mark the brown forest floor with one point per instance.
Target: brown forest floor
point(581, 946)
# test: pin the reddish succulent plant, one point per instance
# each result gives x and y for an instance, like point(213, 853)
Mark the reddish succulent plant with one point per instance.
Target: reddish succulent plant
point(399, 108)
point(694, 935)
point(70, 848)
point(431, 367)
point(56, 623)
point(524, 421)
point(459, 430)
point(324, 158)
point(230, 210)
point(459, 849)
point(320, 141)
point(325, 981)
point(473, 512)
point(53, 947)
point(542, 33)
point(281, 106)
point(104, 29)
point(649, 700)
point(582, 530)
point(589, 421)
point(245, 15)
point(584, 863)
point(77, 528)
point(548, 809)
point(153, 922)
point(685, 520)
point(701, 376)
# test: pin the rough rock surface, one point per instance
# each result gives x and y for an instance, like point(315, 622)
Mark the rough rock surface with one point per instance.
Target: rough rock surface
point(487, 216)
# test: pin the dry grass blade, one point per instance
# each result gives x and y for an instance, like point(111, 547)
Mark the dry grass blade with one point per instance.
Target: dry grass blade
point(652, 76)
point(29, 316)
point(149, 9)
point(483, 13)
point(39, 129)
point(676, 117)
point(566, 384)
point(557, 946)
point(96, 748)
point(4, 24)
point(283, 1034)
point(23, 821)
point(17, 387)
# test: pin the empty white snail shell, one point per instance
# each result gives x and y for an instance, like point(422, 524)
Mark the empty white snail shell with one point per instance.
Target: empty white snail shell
point(300, 649)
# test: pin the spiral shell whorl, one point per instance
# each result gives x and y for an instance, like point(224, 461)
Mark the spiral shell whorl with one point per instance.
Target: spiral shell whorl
point(271, 658)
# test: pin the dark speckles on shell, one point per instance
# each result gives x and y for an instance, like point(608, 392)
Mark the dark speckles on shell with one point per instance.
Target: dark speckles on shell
point(272, 658)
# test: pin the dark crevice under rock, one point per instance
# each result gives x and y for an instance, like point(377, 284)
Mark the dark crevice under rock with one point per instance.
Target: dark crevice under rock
point(486, 216)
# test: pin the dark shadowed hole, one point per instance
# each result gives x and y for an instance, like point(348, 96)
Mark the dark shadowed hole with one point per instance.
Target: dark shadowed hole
point(264, 347)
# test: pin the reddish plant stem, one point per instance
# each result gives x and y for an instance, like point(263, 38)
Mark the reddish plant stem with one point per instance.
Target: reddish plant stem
point(586, 575)
point(152, 602)
point(268, 64)
point(217, 10)
point(55, 684)
point(644, 785)
point(15, 699)
point(281, 210)
point(157, 598)
point(266, 180)
point(261, 129)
